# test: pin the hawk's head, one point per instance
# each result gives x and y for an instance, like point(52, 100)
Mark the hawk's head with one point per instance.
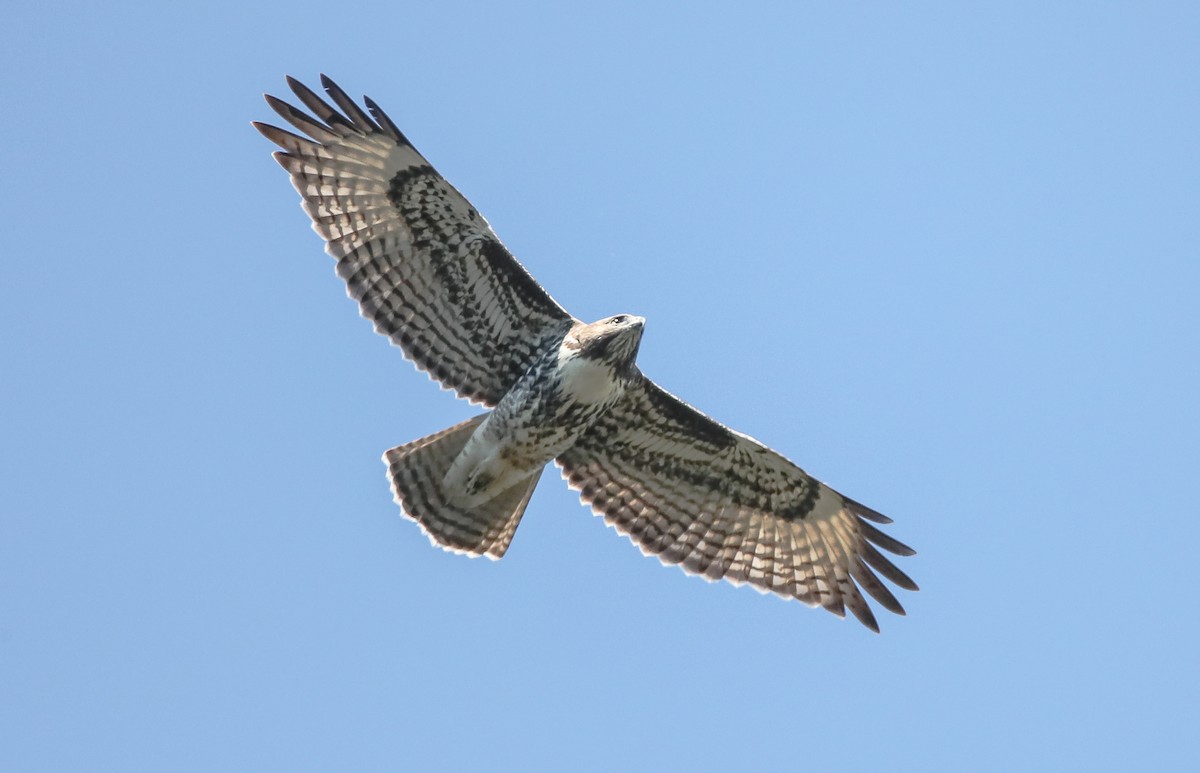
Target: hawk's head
point(612, 341)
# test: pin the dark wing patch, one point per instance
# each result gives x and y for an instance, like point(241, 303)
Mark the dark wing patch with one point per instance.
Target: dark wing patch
point(424, 266)
point(720, 504)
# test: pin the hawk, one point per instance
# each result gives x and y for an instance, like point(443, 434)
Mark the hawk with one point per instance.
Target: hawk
point(430, 273)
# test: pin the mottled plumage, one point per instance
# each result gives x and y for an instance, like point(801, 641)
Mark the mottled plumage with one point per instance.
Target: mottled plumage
point(432, 276)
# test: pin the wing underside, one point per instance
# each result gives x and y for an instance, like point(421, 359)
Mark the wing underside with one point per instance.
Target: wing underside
point(692, 492)
point(423, 264)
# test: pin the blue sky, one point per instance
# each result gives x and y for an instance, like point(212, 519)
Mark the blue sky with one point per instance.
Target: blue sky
point(944, 256)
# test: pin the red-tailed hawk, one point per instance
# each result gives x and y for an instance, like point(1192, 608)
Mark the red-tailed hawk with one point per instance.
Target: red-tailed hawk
point(430, 273)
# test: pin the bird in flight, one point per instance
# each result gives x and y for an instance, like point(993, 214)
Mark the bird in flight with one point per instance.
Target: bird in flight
point(431, 274)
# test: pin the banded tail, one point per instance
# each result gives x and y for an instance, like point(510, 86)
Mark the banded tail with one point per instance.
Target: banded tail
point(416, 471)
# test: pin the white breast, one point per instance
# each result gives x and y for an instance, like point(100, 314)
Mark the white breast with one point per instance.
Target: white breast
point(585, 380)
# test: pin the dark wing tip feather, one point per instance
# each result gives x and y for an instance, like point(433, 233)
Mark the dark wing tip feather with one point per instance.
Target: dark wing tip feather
point(361, 120)
point(862, 511)
point(879, 563)
point(833, 603)
point(279, 106)
point(309, 97)
point(867, 580)
point(889, 544)
point(859, 607)
point(282, 137)
point(385, 123)
point(305, 123)
point(321, 108)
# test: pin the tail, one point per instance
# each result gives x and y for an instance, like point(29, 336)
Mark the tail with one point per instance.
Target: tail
point(416, 471)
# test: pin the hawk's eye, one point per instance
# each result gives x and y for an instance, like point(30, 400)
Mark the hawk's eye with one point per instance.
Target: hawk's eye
point(617, 319)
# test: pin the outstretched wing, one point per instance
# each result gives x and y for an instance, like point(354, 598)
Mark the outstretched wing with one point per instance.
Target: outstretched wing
point(722, 505)
point(424, 266)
